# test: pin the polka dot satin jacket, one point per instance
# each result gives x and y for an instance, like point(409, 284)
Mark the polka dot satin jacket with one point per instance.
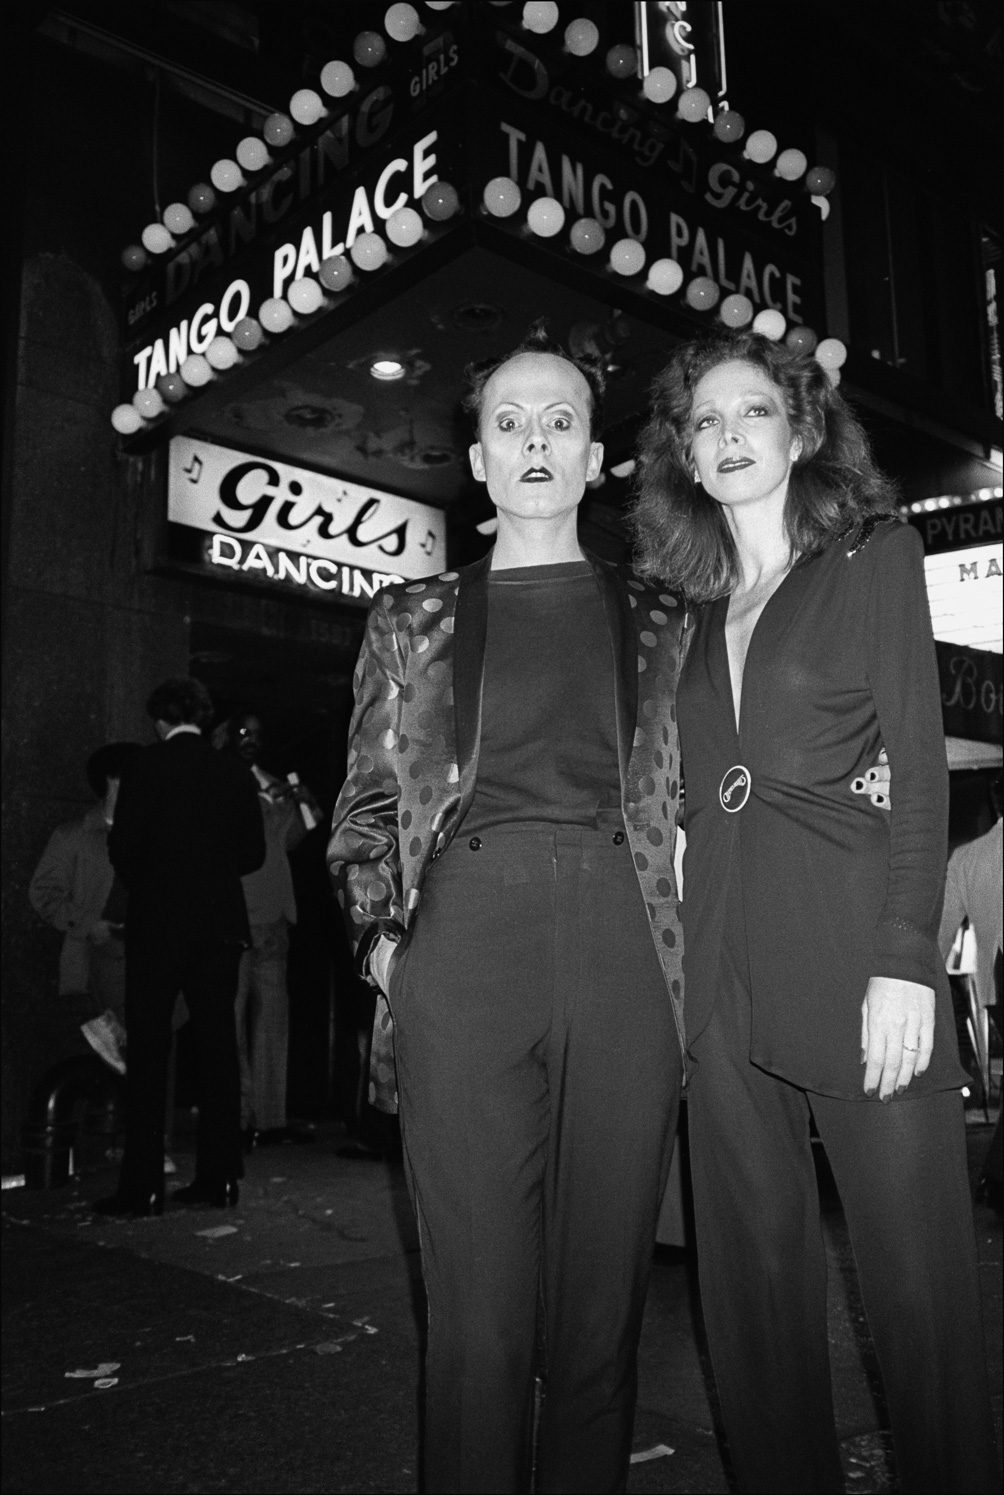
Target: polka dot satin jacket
point(413, 757)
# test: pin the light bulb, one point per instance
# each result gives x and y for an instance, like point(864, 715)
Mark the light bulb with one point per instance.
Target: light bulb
point(222, 354)
point(582, 37)
point(369, 252)
point(545, 217)
point(401, 22)
point(405, 228)
point(659, 85)
point(126, 419)
point(252, 154)
point(664, 277)
point(337, 79)
point(627, 257)
point(502, 197)
point(305, 296)
point(769, 324)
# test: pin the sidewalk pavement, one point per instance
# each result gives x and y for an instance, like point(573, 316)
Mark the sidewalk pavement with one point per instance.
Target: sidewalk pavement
point(277, 1346)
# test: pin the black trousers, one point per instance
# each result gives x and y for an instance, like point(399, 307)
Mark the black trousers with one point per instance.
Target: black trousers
point(539, 1072)
point(902, 1176)
point(206, 971)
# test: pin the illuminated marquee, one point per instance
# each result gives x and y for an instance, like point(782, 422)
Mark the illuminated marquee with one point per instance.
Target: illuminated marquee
point(256, 561)
point(740, 234)
point(400, 183)
point(269, 521)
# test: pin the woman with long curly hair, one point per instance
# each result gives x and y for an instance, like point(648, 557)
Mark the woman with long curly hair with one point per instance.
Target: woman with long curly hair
point(813, 987)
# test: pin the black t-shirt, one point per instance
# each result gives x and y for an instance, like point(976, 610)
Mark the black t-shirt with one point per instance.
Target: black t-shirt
point(548, 720)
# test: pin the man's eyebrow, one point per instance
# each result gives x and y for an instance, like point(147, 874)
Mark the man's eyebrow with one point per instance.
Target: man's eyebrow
point(519, 405)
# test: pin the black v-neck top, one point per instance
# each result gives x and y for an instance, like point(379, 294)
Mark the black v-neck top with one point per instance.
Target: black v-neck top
point(840, 663)
point(548, 751)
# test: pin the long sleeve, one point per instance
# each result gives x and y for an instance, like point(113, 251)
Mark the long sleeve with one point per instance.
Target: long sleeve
point(954, 910)
point(125, 838)
point(249, 829)
point(903, 673)
point(51, 889)
point(363, 852)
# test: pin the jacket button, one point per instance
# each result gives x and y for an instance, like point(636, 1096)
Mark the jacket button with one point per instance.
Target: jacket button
point(475, 843)
point(618, 838)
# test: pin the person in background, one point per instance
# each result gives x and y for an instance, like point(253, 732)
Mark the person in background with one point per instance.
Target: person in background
point(974, 891)
point(814, 989)
point(74, 888)
point(289, 812)
point(187, 827)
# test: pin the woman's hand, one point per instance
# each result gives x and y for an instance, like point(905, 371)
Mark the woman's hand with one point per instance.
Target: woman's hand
point(897, 1034)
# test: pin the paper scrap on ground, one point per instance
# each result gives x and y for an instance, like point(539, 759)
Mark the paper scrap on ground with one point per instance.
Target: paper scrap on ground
point(104, 1369)
point(103, 1383)
point(216, 1232)
point(328, 1347)
point(660, 1451)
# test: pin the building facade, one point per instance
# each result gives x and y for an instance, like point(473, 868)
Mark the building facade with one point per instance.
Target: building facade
point(349, 204)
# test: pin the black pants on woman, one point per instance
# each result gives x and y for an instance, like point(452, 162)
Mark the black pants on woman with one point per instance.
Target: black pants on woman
point(539, 1069)
point(901, 1172)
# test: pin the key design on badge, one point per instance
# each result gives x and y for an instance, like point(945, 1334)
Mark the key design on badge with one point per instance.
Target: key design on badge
point(735, 788)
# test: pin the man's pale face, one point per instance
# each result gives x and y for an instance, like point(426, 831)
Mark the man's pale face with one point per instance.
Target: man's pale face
point(535, 453)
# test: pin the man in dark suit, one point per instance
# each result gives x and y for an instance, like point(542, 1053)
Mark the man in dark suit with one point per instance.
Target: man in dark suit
point(503, 849)
point(187, 827)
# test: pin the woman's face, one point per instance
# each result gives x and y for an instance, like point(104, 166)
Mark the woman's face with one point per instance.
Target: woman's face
point(741, 440)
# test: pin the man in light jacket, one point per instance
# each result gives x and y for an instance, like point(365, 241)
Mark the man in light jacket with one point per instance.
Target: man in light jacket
point(74, 889)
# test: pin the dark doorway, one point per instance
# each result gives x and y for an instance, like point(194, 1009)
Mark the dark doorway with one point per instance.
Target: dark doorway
point(302, 692)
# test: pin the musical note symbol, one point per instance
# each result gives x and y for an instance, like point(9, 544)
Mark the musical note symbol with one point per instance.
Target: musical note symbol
point(194, 468)
point(428, 543)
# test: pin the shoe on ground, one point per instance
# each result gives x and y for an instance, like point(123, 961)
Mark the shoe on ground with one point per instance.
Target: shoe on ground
point(106, 1036)
point(170, 1166)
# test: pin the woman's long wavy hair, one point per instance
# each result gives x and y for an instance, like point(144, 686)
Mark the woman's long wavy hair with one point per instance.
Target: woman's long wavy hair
point(680, 532)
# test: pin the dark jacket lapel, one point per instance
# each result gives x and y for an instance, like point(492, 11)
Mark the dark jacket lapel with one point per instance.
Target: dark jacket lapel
point(624, 642)
point(470, 633)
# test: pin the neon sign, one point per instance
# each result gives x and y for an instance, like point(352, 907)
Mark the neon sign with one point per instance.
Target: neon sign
point(259, 501)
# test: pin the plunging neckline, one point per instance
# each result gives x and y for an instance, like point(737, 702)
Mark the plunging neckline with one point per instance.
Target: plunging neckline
point(736, 716)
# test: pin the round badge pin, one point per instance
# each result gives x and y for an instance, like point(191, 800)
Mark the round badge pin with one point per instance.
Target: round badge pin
point(735, 788)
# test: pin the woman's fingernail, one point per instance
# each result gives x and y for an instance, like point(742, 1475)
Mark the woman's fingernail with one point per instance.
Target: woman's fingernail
point(871, 775)
point(857, 786)
point(870, 1092)
point(900, 1089)
point(878, 799)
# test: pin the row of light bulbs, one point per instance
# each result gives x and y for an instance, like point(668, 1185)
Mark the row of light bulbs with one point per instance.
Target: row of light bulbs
point(659, 86)
point(276, 315)
point(402, 23)
point(546, 218)
point(306, 108)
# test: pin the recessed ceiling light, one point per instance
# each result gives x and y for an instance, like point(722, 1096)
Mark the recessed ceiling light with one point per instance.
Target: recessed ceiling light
point(387, 368)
